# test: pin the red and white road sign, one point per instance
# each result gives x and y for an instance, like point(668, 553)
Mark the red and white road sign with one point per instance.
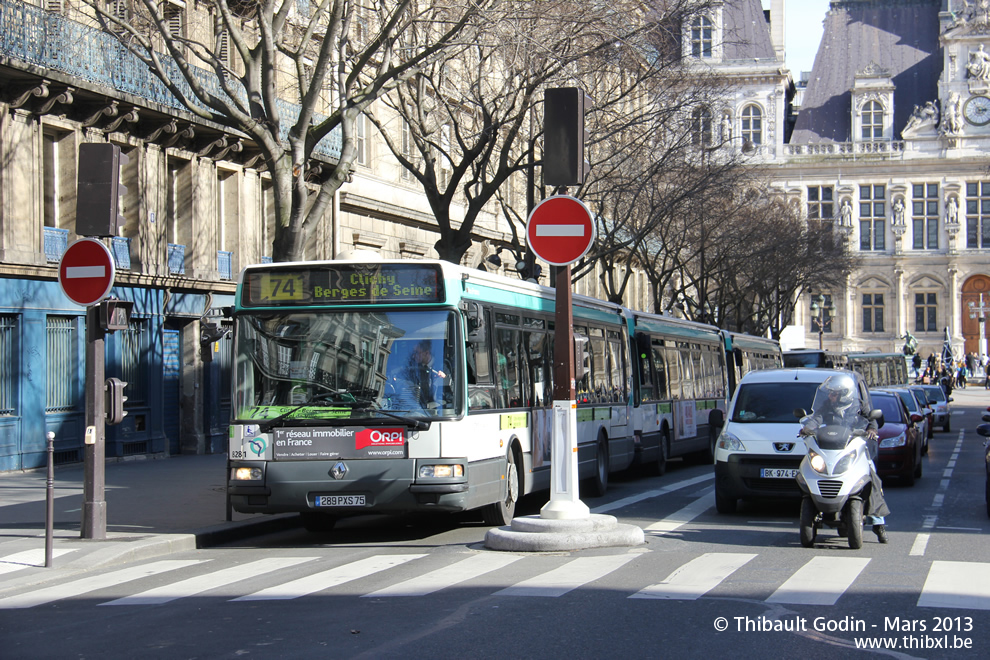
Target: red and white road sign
point(560, 230)
point(86, 272)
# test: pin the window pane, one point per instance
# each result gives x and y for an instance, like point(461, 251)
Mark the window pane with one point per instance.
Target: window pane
point(918, 190)
point(878, 192)
point(826, 193)
point(933, 190)
point(864, 192)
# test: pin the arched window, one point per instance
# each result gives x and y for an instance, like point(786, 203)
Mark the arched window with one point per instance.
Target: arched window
point(701, 37)
point(752, 125)
point(701, 127)
point(872, 117)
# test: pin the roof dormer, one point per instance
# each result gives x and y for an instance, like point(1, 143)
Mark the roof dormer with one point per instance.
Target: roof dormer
point(872, 98)
point(702, 34)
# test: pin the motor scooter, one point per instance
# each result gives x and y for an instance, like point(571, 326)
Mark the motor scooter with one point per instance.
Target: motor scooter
point(834, 475)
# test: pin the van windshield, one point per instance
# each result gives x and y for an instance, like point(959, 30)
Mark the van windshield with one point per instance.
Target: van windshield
point(762, 403)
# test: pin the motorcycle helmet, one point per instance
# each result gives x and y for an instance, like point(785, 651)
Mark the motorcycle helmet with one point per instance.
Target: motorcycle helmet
point(840, 390)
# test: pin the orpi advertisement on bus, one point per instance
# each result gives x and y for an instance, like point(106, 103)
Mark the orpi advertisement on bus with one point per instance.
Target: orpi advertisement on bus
point(326, 443)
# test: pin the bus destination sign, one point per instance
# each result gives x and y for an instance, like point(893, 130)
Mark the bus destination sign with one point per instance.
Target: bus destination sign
point(342, 284)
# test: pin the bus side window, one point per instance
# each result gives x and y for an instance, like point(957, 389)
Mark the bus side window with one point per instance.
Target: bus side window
point(481, 385)
point(540, 362)
point(508, 368)
point(660, 365)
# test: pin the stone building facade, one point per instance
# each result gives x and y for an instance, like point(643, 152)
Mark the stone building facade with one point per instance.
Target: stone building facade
point(891, 143)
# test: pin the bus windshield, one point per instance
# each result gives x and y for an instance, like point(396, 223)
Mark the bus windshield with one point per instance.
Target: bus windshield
point(346, 365)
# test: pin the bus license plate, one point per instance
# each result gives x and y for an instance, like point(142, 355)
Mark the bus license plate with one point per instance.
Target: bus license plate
point(340, 500)
point(778, 473)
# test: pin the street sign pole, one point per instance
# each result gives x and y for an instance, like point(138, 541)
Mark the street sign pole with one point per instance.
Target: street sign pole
point(560, 230)
point(94, 512)
point(564, 496)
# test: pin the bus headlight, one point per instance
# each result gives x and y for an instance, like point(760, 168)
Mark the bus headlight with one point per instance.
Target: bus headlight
point(246, 474)
point(817, 463)
point(441, 471)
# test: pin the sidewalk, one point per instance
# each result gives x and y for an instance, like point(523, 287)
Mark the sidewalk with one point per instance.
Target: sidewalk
point(155, 506)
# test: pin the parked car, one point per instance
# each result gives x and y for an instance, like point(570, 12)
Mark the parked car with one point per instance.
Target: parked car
point(757, 452)
point(900, 438)
point(915, 407)
point(936, 396)
point(922, 396)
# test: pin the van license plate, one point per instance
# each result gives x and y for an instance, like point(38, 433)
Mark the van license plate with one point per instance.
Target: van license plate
point(778, 473)
point(340, 500)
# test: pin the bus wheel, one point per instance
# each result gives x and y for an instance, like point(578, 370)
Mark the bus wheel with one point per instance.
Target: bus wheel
point(599, 483)
point(501, 513)
point(318, 522)
point(663, 451)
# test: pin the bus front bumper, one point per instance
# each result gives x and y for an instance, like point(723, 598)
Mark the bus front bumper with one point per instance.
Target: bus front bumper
point(361, 487)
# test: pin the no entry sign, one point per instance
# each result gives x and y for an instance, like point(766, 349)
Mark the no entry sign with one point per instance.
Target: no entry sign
point(86, 272)
point(560, 230)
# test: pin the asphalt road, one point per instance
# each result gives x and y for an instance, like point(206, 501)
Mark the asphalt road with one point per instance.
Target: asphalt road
point(702, 584)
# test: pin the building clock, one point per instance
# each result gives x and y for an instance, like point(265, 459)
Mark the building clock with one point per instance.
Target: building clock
point(977, 110)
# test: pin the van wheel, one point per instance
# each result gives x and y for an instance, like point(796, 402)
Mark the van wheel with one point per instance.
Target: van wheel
point(662, 460)
point(724, 504)
point(599, 483)
point(501, 512)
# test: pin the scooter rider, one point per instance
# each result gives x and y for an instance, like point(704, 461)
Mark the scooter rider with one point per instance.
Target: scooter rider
point(842, 402)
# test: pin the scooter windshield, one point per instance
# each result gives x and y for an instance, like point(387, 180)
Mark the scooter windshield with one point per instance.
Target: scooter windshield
point(835, 416)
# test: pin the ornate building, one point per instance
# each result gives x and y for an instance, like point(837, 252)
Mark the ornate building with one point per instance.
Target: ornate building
point(891, 143)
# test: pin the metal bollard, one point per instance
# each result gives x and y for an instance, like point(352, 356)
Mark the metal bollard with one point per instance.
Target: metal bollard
point(50, 499)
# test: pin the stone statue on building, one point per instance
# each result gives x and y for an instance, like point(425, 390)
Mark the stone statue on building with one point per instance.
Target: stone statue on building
point(726, 127)
point(952, 119)
point(951, 212)
point(899, 212)
point(975, 12)
point(846, 214)
point(979, 64)
point(922, 114)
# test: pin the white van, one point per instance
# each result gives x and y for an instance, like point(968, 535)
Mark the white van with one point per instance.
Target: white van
point(758, 451)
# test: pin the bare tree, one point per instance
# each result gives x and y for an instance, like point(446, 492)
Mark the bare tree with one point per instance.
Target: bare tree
point(333, 62)
point(473, 120)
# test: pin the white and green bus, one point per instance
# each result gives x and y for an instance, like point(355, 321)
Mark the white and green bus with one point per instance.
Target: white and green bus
point(331, 416)
point(323, 423)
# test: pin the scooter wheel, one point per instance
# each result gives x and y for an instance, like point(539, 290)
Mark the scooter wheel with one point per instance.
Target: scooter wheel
point(809, 530)
point(854, 524)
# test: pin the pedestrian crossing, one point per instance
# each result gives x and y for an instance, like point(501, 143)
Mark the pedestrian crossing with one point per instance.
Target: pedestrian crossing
point(821, 580)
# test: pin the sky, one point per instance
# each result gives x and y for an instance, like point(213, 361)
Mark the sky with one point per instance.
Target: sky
point(802, 32)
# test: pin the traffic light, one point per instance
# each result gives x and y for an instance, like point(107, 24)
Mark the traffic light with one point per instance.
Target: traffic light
point(113, 402)
point(564, 136)
point(99, 191)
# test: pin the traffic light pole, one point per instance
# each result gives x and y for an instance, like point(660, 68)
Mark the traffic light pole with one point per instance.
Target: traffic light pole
point(94, 519)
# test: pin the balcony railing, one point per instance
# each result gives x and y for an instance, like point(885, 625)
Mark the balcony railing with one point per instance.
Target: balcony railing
point(844, 149)
point(56, 240)
point(121, 249)
point(224, 263)
point(176, 259)
point(51, 41)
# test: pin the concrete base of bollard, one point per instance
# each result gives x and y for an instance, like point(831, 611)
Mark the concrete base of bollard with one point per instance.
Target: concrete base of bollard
point(536, 534)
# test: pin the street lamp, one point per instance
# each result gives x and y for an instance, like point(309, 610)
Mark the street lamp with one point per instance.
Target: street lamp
point(821, 311)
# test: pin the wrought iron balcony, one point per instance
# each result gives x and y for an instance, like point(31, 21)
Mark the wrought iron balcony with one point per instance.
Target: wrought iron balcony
point(224, 260)
point(48, 40)
point(176, 259)
point(121, 249)
point(56, 240)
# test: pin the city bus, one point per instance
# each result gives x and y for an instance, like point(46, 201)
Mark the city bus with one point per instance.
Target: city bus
point(750, 353)
point(686, 371)
point(880, 369)
point(327, 423)
point(322, 426)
